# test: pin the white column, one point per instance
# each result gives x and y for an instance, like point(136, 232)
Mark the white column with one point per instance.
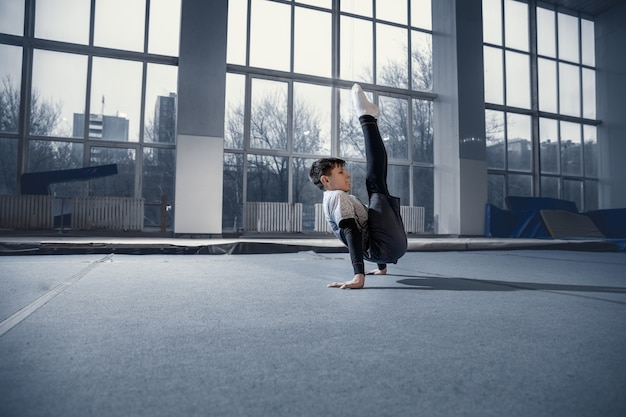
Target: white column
point(611, 94)
point(459, 118)
point(201, 101)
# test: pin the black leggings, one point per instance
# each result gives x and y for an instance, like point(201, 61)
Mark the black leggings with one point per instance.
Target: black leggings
point(386, 231)
point(376, 157)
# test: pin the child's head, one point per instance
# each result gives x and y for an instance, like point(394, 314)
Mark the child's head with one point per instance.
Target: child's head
point(321, 167)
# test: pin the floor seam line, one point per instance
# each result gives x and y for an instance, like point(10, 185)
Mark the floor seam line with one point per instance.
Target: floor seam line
point(22, 314)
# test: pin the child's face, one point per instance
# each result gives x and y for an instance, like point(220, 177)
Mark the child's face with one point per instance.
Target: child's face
point(338, 179)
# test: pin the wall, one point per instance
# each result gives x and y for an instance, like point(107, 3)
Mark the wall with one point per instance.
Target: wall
point(201, 103)
point(611, 110)
point(459, 112)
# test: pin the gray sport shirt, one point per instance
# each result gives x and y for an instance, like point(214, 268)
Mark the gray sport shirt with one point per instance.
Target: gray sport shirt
point(338, 206)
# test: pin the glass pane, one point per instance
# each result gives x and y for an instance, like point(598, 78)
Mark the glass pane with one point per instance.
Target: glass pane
point(357, 174)
point(516, 24)
point(421, 14)
point(8, 166)
point(549, 146)
point(160, 117)
point(350, 132)
point(234, 121)
point(549, 187)
point(547, 85)
point(270, 35)
point(520, 185)
point(268, 178)
point(115, 99)
point(589, 93)
point(305, 192)
point(232, 197)
point(546, 33)
point(12, 17)
point(568, 37)
point(492, 21)
point(591, 151)
point(569, 89)
point(63, 20)
point(392, 10)
point(327, 4)
point(494, 76)
point(422, 131)
point(494, 129)
point(588, 41)
point(573, 191)
point(311, 118)
point(120, 185)
point(519, 145)
point(360, 7)
point(268, 117)
point(45, 155)
point(571, 149)
point(398, 183)
point(423, 194)
point(357, 46)
point(391, 56)
point(158, 182)
point(591, 196)
point(59, 91)
point(393, 126)
point(164, 27)
point(114, 29)
point(495, 190)
point(237, 31)
point(517, 80)
point(10, 90)
point(421, 61)
point(312, 53)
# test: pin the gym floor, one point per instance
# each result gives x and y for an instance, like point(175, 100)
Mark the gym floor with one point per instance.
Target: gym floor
point(510, 332)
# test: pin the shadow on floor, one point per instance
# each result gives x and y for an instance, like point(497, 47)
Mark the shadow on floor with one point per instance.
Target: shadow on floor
point(416, 282)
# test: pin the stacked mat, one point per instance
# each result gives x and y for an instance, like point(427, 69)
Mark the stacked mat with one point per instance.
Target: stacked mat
point(541, 217)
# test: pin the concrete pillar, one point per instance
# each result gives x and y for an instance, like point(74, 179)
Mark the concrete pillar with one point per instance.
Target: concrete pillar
point(611, 93)
point(459, 118)
point(201, 102)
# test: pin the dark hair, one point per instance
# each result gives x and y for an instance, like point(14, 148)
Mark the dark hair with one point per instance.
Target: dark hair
point(323, 167)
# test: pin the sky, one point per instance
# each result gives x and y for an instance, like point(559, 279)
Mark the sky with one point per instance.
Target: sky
point(62, 77)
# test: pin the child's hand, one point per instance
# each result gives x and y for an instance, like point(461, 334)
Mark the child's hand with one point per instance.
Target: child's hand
point(357, 282)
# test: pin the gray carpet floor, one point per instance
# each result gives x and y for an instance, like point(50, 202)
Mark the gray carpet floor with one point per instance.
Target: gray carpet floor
point(454, 333)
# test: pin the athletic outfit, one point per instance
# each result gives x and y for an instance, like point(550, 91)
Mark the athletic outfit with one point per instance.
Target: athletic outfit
point(375, 233)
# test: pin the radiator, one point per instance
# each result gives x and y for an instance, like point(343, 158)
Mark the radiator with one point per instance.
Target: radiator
point(272, 217)
point(26, 211)
point(412, 217)
point(321, 225)
point(114, 213)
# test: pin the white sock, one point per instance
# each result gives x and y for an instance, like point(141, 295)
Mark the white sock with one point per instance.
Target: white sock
point(362, 106)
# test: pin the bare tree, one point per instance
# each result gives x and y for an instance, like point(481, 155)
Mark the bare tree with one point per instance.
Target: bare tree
point(45, 115)
point(9, 106)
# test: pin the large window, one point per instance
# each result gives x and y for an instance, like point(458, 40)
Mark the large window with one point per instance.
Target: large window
point(101, 86)
point(540, 101)
point(290, 68)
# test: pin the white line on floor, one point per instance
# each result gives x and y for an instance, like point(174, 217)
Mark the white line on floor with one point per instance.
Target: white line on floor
point(22, 314)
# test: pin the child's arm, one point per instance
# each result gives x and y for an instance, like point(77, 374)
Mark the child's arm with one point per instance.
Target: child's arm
point(353, 238)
